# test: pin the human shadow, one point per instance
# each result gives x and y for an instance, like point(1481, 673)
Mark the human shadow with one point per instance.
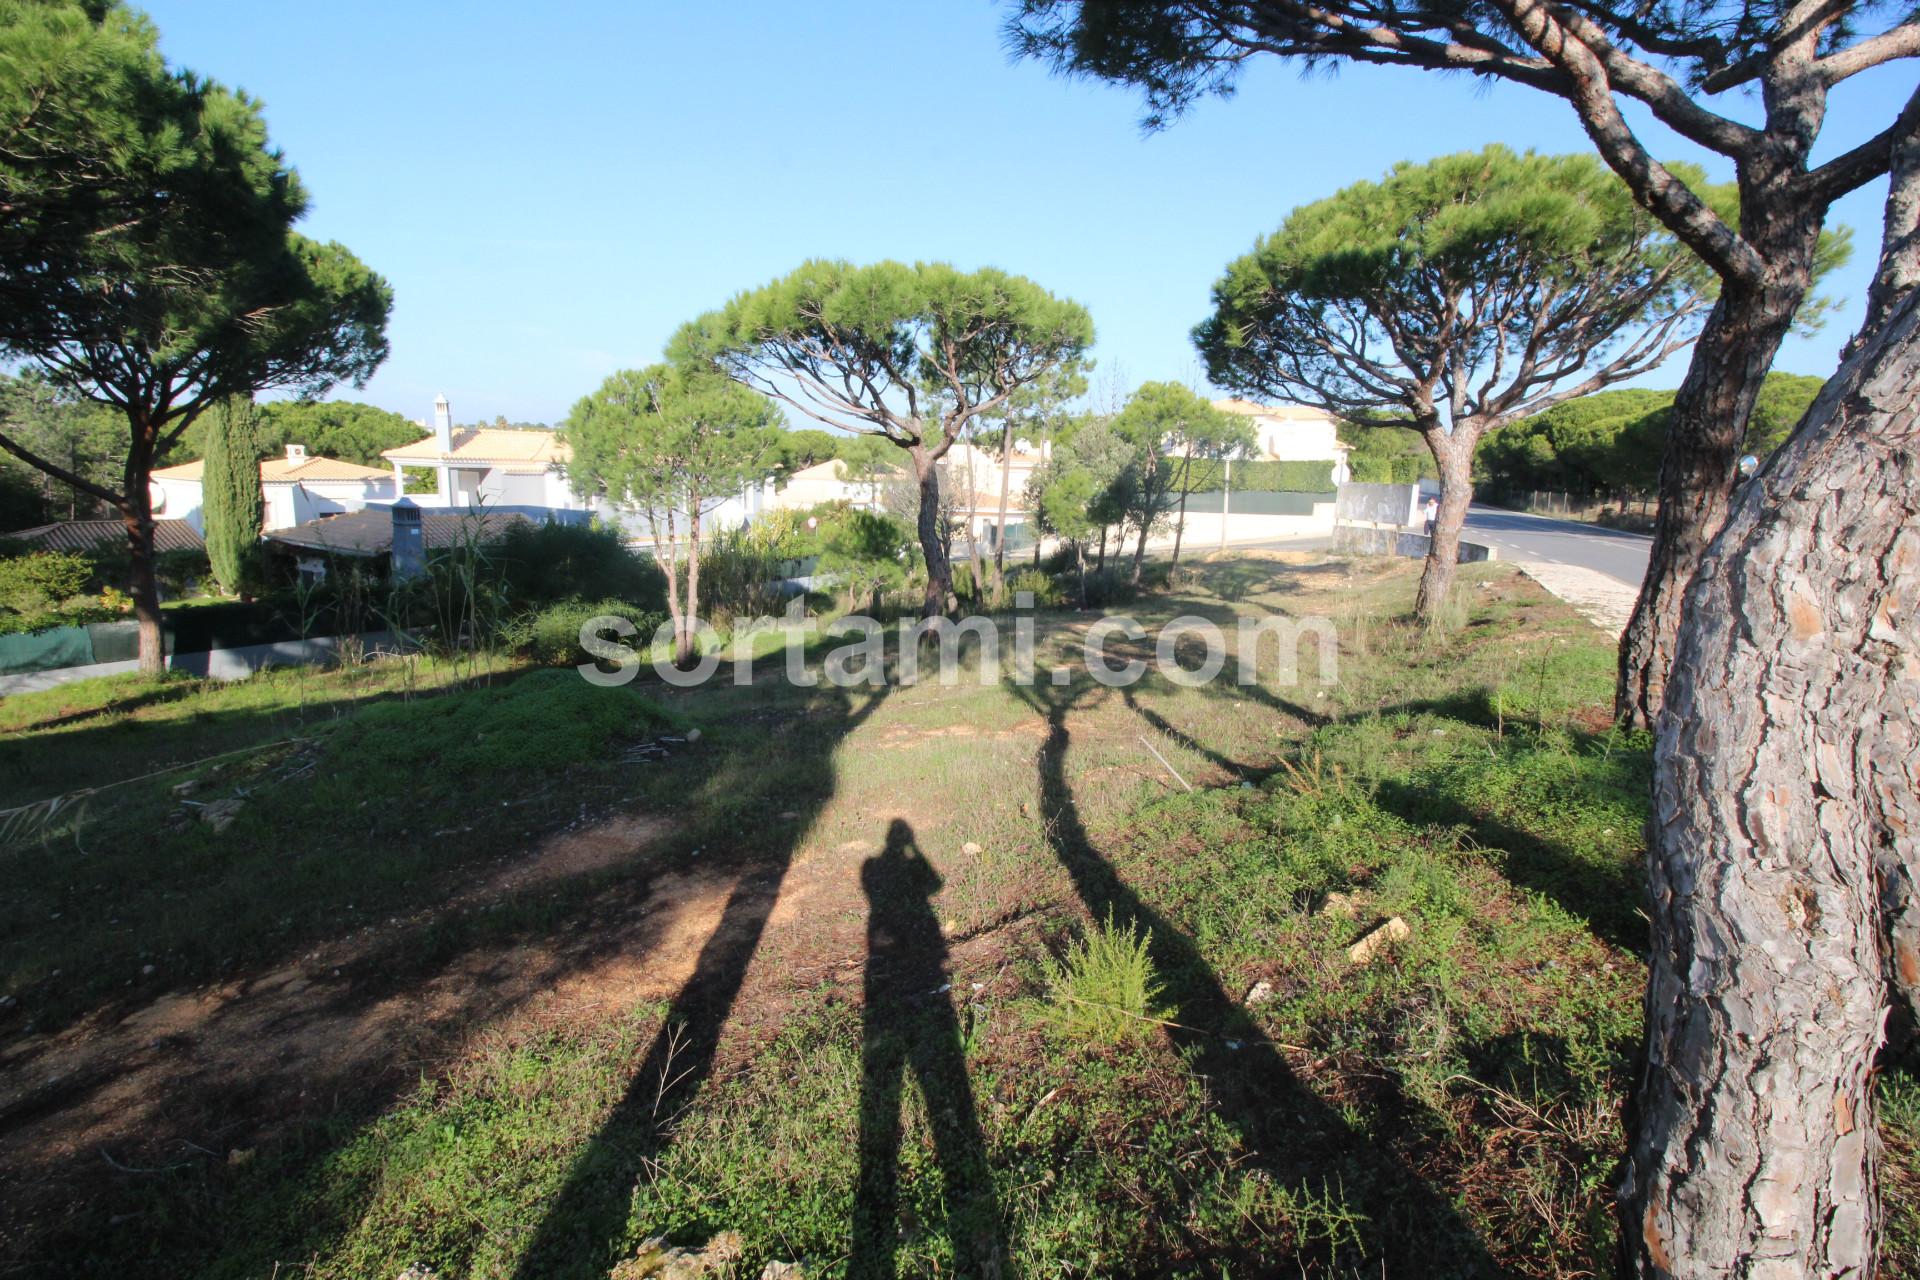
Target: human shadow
point(585, 1221)
point(1289, 1132)
point(909, 1024)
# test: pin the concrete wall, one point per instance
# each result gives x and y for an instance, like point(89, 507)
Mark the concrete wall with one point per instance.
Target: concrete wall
point(217, 664)
point(1370, 541)
point(1389, 504)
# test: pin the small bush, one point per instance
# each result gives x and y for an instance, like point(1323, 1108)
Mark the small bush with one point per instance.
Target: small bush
point(551, 636)
point(41, 580)
point(1104, 989)
point(549, 563)
point(1110, 586)
point(1046, 592)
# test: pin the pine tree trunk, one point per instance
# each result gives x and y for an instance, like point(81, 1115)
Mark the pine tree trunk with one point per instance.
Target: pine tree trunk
point(1787, 760)
point(136, 514)
point(939, 575)
point(686, 649)
point(1697, 473)
point(1453, 455)
point(1708, 422)
point(1000, 527)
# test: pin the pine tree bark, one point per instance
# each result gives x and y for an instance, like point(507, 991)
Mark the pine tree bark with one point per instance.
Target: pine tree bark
point(1453, 455)
point(1708, 422)
point(136, 515)
point(1701, 461)
point(926, 469)
point(1000, 522)
point(1787, 775)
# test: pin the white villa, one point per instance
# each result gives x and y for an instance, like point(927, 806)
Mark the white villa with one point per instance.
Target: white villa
point(1293, 433)
point(472, 466)
point(297, 488)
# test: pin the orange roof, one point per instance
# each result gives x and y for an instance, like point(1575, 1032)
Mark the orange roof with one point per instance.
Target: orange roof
point(286, 471)
point(485, 444)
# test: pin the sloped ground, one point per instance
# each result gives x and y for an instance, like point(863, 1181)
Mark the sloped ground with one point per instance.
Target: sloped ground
point(504, 981)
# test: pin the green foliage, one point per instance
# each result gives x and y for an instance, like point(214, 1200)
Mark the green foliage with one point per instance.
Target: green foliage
point(1612, 441)
point(550, 635)
point(670, 440)
point(1495, 249)
point(148, 259)
point(34, 583)
point(86, 439)
point(1047, 593)
point(866, 552)
point(343, 429)
point(908, 353)
point(1385, 456)
point(1263, 476)
point(549, 562)
point(1159, 419)
point(1102, 990)
point(232, 508)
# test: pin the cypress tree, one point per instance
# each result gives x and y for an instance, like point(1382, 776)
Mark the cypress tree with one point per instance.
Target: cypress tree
point(231, 508)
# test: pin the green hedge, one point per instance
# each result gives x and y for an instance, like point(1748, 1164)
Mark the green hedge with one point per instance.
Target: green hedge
point(1267, 477)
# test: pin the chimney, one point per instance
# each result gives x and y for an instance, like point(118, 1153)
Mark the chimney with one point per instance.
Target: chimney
point(407, 557)
point(296, 453)
point(443, 424)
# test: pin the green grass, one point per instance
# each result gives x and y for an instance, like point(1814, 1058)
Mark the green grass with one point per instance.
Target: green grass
point(1451, 1108)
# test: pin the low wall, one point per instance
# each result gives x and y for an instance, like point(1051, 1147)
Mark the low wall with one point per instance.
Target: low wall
point(215, 664)
point(1204, 527)
point(1390, 504)
point(1369, 541)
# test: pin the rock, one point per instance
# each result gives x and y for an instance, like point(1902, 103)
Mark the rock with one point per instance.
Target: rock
point(1394, 930)
point(186, 788)
point(1259, 993)
point(220, 814)
point(693, 735)
point(1339, 905)
point(782, 1271)
point(655, 1260)
point(146, 971)
point(418, 1272)
point(971, 849)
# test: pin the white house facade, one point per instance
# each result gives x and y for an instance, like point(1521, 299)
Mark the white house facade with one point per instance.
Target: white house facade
point(296, 488)
point(1293, 433)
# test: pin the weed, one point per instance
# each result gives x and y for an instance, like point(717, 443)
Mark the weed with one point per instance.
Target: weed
point(1103, 990)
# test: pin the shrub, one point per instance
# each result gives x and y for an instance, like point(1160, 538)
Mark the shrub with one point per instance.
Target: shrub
point(181, 572)
point(742, 573)
point(549, 563)
point(38, 581)
point(1046, 591)
point(551, 635)
point(1104, 988)
point(1110, 586)
point(1263, 476)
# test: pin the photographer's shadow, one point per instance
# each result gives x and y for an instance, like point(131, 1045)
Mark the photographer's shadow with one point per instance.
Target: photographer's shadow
point(910, 1024)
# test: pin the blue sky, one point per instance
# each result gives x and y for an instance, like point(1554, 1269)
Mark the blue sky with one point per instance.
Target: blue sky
point(552, 190)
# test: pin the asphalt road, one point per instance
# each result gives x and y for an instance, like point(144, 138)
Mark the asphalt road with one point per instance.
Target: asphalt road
point(1619, 555)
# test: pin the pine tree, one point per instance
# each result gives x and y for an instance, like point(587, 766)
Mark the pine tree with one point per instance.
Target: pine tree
point(232, 509)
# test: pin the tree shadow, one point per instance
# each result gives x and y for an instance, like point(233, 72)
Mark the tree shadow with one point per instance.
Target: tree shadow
point(586, 1220)
point(909, 1023)
point(1289, 1132)
point(1608, 900)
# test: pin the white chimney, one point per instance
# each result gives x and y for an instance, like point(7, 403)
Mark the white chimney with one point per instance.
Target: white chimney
point(443, 424)
point(296, 453)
